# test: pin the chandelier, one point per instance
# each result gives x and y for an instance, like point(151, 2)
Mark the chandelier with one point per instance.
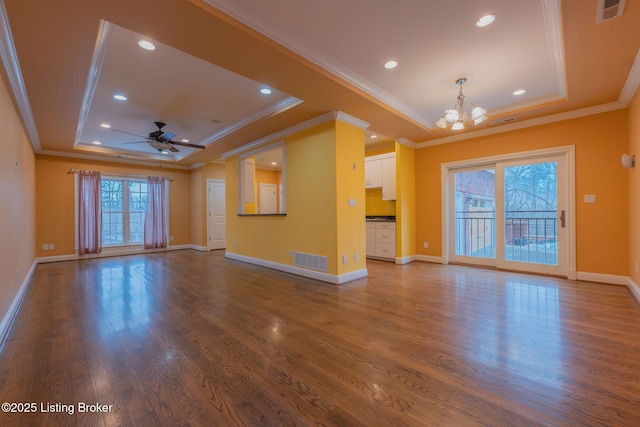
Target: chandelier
point(461, 112)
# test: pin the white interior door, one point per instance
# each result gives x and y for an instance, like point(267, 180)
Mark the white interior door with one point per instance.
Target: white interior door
point(216, 214)
point(268, 199)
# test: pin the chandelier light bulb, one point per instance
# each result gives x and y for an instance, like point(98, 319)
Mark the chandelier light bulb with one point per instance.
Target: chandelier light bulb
point(461, 112)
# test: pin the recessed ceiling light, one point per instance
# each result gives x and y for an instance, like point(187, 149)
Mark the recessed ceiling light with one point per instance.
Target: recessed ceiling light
point(274, 163)
point(120, 97)
point(265, 91)
point(105, 125)
point(165, 151)
point(390, 65)
point(97, 143)
point(485, 20)
point(519, 92)
point(184, 140)
point(373, 136)
point(146, 44)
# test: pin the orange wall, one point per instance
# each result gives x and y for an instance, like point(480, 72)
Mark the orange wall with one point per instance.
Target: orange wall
point(633, 177)
point(601, 228)
point(55, 200)
point(17, 201)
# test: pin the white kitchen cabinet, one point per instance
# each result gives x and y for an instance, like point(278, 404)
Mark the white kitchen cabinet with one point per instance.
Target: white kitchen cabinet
point(380, 172)
point(389, 178)
point(373, 173)
point(371, 239)
point(381, 240)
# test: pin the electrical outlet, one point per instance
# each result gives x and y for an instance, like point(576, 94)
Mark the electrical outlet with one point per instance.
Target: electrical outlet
point(171, 238)
point(45, 247)
point(51, 246)
point(355, 257)
point(344, 259)
point(589, 198)
point(426, 245)
point(290, 253)
point(636, 266)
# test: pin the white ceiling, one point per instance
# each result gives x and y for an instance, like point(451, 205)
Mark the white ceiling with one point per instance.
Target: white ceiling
point(63, 64)
point(434, 43)
point(198, 101)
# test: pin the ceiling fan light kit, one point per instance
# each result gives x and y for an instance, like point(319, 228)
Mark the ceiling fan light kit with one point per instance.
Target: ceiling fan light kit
point(461, 112)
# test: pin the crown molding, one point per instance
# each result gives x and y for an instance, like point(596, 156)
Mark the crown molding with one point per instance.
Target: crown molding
point(308, 124)
point(99, 53)
point(589, 111)
point(631, 85)
point(14, 74)
point(111, 160)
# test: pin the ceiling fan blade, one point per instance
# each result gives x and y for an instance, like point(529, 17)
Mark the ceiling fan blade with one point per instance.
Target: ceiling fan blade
point(185, 144)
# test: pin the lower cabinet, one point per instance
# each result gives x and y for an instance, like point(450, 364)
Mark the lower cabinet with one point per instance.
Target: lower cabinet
point(381, 240)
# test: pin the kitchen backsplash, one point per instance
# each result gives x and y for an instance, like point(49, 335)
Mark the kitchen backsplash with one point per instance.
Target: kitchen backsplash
point(376, 206)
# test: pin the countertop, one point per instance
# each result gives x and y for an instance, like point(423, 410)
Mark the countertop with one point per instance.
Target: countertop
point(380, 218)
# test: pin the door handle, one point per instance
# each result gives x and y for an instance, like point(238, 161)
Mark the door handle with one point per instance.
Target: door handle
point(562, 218)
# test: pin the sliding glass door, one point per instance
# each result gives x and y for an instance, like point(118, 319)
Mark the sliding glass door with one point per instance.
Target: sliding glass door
point(510, 215)
point(532, 224)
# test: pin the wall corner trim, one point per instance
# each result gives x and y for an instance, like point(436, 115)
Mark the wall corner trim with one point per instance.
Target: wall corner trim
point(317, 275)
point(634, 289)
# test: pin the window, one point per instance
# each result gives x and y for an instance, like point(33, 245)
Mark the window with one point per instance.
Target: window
point(262, 181)
point(123, 210)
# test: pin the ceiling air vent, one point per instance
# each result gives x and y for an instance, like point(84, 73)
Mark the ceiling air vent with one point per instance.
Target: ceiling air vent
point(503, 121)
point(609, 9)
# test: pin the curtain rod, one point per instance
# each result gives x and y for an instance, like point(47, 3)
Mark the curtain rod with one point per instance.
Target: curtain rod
point(74, 171)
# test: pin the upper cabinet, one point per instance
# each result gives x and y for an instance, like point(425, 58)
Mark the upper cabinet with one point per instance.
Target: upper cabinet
point(389, 178)
point(372, 173)
point(380, 171)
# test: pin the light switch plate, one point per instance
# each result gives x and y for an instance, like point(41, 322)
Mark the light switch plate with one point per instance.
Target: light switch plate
point(353, 202)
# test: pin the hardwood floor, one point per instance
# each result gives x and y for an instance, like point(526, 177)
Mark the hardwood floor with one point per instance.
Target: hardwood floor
point(190, 338)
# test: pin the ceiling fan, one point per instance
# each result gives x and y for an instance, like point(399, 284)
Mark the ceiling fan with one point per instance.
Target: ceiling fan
point(162, 141)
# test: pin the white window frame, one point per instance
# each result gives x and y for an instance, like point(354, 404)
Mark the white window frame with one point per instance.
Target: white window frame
point(125, 178)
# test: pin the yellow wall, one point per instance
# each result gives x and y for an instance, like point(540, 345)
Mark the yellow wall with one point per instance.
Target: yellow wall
point(376, 206)
point(55, 200)
point(406, 201)
point(601, 228)
point(633, 195)
point(17, 198)
point(349, 160)
point(315, 167)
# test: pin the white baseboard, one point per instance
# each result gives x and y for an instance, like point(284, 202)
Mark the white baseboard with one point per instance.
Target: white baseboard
point(602, 278)
point(117, 252)
point(299, 271)
point(428, 258)
point(406, 259)
point(11, 314)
